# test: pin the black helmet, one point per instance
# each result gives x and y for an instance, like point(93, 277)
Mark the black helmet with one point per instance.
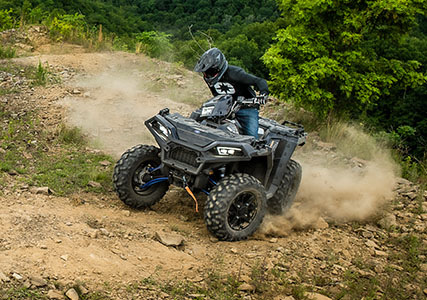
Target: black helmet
point(213, 65)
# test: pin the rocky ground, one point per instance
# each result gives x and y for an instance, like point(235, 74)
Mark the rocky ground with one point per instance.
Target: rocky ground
point(89, 245)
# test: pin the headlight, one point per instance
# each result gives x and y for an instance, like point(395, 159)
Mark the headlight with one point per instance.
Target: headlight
point(228, 151)
point(163, 129)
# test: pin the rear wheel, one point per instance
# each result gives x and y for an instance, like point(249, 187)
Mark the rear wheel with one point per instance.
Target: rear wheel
point(133, 171)
point(285, 194)
point(235, 207)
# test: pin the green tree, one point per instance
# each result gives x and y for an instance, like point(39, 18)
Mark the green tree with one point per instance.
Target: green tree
point(6, 20)
point(330, 56)
point(156, 44)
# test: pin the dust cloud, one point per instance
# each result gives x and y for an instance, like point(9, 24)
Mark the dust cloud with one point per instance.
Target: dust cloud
point(111, 106)
point(337, 186)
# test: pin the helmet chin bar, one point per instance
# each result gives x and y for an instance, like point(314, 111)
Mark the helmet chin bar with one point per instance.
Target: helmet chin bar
point(208, 76)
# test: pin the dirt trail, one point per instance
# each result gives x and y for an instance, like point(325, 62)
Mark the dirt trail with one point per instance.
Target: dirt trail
point(97, 239)
point(112, 94)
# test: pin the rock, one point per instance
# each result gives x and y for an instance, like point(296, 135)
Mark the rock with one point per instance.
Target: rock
point(94, 234)
point(367, 234)
point(17, 276)
point(64, 257)
point(371, 244)
point(169, 239)
point(104, 231)
point(25, 47)
point(316, 296)
point(197, 296)
point(94, 184)
point(381, 253)
point(83, 290)
point(105, 163)
point(346, 254)
point(359, 162)
point(3, 278)
point(126, 213)
point(246, 287)
point(38, 281)
point(320, 224)
point(388, 221)
point(403, 181)
point(213, 239)
point(54, 294)
point(41, 190)
point(76, 92)
point(410, 195)
point(72, 294)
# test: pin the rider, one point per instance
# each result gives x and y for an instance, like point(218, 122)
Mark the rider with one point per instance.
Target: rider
point(224, 79)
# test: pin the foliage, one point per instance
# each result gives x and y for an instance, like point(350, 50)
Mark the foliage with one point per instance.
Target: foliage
point(41, 75)
point(155, 44)
point(331, 56)
point(7, 52)
point(67, 27)
point(127, 17)
point(6, 20)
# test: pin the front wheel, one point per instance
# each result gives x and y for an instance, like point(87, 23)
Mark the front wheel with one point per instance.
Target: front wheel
point(133, 171)
point(235, 207)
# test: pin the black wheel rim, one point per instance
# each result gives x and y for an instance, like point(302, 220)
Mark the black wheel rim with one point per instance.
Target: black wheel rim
point(242, 211)
point(142, 175)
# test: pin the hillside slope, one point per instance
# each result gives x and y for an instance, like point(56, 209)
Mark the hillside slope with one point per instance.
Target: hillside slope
point(94, 244)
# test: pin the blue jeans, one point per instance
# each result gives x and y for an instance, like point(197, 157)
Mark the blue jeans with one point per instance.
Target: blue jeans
point(248, 119)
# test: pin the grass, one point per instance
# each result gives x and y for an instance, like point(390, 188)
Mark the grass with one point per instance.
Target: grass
point(41, 74)
point(7, 52)
point(38, 157)
point(38, 75)
point(20, 293)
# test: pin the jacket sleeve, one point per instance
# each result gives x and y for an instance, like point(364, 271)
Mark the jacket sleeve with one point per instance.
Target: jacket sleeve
point(241, 76)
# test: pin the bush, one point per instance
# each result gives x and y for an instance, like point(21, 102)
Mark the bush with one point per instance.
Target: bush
point(6, 21)
point(155, 44)
point(67, 27)
point(7, 52)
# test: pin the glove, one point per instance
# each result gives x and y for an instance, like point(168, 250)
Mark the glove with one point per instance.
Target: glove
point(252, 102)
point(263, 97)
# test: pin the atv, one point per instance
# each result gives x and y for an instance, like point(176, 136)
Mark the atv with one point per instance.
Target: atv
point(243, 177)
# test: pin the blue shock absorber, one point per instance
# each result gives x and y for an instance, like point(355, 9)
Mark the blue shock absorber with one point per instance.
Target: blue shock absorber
point(151, 170)
point(154, 181)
